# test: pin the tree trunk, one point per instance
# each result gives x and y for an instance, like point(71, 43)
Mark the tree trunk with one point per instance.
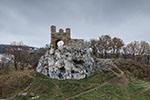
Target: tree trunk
point(16, 66)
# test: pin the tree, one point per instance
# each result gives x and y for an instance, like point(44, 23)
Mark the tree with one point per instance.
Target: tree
point(93, 45)
point(105, 44)
point(144, 48)
point(133, 48)
point(138, 48)
point(117, 45)
point(20, 53)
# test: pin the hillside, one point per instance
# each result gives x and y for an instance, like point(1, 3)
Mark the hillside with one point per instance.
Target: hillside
point(116, 84)
point(3, 48)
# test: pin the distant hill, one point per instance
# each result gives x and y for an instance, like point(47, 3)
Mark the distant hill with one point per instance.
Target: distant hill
point(3, 48)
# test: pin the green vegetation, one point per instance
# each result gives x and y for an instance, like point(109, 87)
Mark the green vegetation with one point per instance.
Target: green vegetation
point(52, 89)
point(100, 86)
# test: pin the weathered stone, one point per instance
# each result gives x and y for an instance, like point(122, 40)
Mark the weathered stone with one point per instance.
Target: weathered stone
point(69, 63)
point(51, 51)
point(22, 94)
point(59, 63)
point(31, 94)
point(35, 97)
point(65, 37)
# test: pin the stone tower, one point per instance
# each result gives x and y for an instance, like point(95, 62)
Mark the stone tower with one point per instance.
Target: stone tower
point(59, 36)
point(65, 37)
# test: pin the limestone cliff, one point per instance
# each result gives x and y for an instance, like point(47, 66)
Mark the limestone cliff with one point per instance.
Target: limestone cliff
point(66, 63)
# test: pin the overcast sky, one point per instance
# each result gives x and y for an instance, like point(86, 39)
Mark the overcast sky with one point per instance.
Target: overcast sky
point(30, 20)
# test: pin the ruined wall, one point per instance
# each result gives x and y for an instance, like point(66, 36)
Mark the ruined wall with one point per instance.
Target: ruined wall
point(65, 37)
point(76, 43)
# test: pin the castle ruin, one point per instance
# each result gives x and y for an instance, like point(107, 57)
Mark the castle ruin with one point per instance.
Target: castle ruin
point(65, 37)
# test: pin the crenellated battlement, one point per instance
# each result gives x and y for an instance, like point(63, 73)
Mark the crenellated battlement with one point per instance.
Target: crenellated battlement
point(53, 30)
point(65, 37)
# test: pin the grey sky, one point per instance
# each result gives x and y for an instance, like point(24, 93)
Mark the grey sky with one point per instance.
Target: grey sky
point(29, 20)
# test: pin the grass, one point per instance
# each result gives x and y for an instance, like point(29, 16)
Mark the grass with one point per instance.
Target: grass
point(47, 90)
point(136, 88)
point(53, 89)
point(14, 81)
point(113, 92)
point(65, 88)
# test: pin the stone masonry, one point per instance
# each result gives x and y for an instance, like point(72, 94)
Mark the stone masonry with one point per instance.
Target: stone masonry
point(65, 37)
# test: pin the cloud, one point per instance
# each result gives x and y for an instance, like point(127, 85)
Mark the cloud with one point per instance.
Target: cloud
point(29, 20)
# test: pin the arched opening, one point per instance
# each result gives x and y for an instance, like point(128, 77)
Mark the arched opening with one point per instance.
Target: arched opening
point(59, 43)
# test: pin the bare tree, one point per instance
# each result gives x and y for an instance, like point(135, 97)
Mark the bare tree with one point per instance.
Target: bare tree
point(138, 48)
point(24, 55)
point(144, 48)
point(124, 50)
point(117, 45)
point(93, 45)
point(105, 44)
point(20, 53)
point(133, 48)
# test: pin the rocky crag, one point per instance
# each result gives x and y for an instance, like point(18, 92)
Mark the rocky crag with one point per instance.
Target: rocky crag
point(66, 63)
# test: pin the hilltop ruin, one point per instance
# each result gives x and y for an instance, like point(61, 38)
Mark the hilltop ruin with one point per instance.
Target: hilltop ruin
point(65, 37)
point(71, 61)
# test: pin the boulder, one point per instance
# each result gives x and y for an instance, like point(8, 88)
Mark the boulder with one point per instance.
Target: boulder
point(66, 63)
point(31, 94)
point(22, 94)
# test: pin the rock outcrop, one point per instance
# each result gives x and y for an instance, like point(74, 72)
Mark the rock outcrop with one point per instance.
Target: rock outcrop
point(66, 63)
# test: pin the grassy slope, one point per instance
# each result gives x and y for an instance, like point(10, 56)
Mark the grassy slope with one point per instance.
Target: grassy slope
point(52, 89)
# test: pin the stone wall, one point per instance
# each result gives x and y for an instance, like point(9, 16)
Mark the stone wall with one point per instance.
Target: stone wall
point(76, 43)
point(59, 36)
point(65, 37)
